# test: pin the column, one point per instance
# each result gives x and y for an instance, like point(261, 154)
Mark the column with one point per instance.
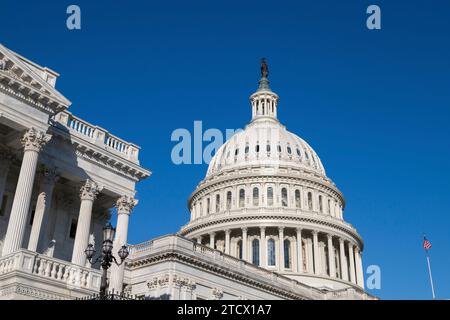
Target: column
point(359, 268)
point(316, 252)
point(124, 205)
point(211, 240)
point(244, 244)
point(43, 205)
point(33, 142)
point(352, 263)
point(5, 162)
point(227, 241)
point(344, 269)
point(281, 248)
point(88, 193)
point(199, 239)
point(331, 261)
point(262, 248)
point(299, 251)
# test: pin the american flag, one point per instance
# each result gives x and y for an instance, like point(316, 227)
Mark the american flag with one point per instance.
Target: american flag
point(426, 243)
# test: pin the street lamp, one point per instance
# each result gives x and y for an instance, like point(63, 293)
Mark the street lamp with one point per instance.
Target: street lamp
point(106, 256)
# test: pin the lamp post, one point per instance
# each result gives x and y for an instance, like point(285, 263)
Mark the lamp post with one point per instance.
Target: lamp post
point(106, 258)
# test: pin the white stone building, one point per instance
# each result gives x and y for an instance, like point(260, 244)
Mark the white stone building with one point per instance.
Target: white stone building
point(266, 222)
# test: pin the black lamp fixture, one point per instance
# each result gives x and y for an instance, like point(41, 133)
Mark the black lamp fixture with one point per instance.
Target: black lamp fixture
point(106, 258)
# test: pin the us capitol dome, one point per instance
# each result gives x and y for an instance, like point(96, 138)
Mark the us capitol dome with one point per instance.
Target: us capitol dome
point(266, 199)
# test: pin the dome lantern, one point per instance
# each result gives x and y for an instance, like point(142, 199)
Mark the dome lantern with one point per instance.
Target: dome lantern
point(264, 101)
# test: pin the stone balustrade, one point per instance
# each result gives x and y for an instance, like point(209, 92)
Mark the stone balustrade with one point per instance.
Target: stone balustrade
point(98, 136)
point(50, 270)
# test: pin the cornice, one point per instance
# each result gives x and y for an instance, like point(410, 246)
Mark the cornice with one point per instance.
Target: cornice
point(170, 255)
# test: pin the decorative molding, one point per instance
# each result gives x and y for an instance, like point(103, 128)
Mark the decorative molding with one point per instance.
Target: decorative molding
point(34, 140)
point(125, 204)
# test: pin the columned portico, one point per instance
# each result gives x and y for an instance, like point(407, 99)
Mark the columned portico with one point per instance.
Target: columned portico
point(263, 248)
point(281, 248)
point(88, 193)
point(33, 142)
point(124, 205)
point(331, 261)
point(44, 201)
point(316, 252)
point(227, 241)
point(351, 262)
point(244, 244)
point(299, 251)
point(344, 269)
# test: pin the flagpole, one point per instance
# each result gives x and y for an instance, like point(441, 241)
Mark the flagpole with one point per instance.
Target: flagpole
point(431, 277)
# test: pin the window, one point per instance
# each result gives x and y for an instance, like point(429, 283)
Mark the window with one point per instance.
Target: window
point(287, 254)
point(246, 149)
point(310, 204)
point(217, 202)
point(255, 196)
point(320, 204)
point(208, 204)
point(297, 198)
point(228, 200)
point(236, 152)
point(3, 206)
point(306, 154)
point(279, 148)
point(239, 249)
point(268, 147)
point(257, 148)
point(271, 252)
point(284, 197)
point(270, 196)
point(241, 198)
point(255, 252)
point(298, 152)
point(329, 206)
point(289, 150)
point(73, 228)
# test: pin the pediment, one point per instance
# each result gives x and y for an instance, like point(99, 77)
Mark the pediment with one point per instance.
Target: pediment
point(18, 77)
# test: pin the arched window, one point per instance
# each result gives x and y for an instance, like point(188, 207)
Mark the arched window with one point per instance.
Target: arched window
point(236, 152)
point(307, 155)
point(208, 204)
point(268, 147)
point(255, 196)
point(255, 252)
point(239, 249)
point(228, 200)
point(310, 204)
point(241, 198)
point(298, 152)
point(287, 254)
point(329, 206)
point(289, 149)
point(320, 204)
point(270, 196)
point(257, 148)
point(271, 252)
point(279, 149)
point(284, 197)
point(217, 202)
point(246, 149)
point(297, 198)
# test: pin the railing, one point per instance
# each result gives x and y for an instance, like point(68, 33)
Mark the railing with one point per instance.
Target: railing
point(98, 136)
point(49, 268)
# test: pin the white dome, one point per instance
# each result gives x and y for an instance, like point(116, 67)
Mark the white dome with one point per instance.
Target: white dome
point(265, 143)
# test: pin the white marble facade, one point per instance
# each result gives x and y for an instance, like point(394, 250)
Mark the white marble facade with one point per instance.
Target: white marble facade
point(266, 222)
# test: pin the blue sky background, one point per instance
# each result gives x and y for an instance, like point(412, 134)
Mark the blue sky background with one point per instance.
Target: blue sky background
point(375, 105)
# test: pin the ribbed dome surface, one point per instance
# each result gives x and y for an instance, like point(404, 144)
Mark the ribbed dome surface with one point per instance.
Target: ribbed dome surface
point(265, 142)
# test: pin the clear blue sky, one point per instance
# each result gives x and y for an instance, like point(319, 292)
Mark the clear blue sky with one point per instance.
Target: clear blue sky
point(375, 105)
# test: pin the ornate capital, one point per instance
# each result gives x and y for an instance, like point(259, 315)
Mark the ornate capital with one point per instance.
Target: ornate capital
point(89, 190)
point(34, 140)
point(125, 204)
point(49, 175)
